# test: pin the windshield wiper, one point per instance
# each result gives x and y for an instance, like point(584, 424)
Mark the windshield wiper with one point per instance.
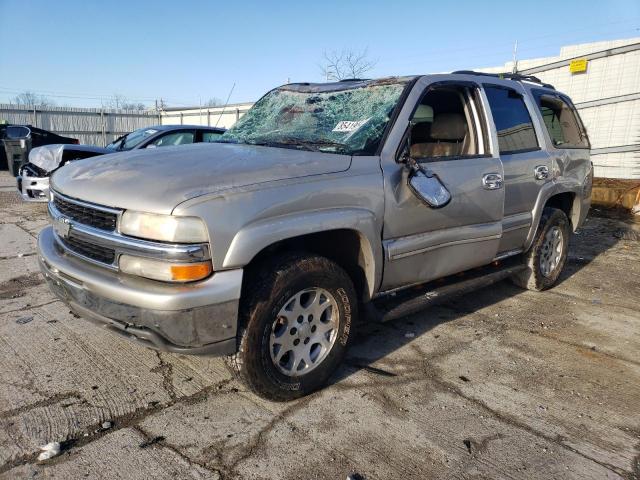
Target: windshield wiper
point(328, 143)
point(311, 145)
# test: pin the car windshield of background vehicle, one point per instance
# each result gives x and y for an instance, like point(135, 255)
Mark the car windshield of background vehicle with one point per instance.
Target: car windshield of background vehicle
point(132, 140)
point(348, 121)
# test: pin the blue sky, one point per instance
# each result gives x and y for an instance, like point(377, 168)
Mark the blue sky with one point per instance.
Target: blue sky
point(77, 51)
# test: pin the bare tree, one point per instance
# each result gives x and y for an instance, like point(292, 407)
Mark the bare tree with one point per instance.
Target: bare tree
point(116, 101)
point(134, 106)
point(31, 99)
point(346, 64)
point(120, 102)
point(213, 102)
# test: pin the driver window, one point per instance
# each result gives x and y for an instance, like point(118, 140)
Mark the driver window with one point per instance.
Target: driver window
point(442, 125)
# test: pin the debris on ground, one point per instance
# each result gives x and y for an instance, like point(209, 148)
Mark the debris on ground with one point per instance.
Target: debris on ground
point(409, 335)
point(106, 426)
point(467, 443)
point(355, 476)
point(23, 320)
point(50, 450)
point(377, 371)
point(464, 378)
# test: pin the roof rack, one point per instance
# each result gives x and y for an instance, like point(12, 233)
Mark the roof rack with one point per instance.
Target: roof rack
point(508, 76)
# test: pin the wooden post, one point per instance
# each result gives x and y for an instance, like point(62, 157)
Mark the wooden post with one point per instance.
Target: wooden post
point(102, 126)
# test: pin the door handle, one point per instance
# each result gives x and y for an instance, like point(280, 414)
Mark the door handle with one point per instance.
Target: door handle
point(492, 181)
point(541, 172)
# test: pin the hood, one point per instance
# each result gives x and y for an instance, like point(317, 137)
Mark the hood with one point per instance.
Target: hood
point(49, 157)
point(157, 180)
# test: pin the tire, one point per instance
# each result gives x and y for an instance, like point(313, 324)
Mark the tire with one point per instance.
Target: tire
point(544, 261)
point(283, 352)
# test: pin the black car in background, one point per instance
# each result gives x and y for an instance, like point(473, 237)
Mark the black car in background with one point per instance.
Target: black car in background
point(163, 136)
point(13, 150)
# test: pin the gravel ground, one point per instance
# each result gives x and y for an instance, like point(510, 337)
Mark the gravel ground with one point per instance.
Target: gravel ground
point(501, 383)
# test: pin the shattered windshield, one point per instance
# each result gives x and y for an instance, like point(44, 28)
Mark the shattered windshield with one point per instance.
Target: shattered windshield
point(349, 120)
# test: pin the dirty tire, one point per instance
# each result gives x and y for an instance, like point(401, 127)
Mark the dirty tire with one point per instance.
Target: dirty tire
point(533, 278)
point(266, 293)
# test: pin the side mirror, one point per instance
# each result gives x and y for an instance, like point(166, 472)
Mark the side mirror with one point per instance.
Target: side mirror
point(424, 184)
point(428, 187)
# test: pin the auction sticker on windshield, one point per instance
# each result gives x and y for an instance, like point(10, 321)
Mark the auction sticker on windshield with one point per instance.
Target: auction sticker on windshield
point(349, 125)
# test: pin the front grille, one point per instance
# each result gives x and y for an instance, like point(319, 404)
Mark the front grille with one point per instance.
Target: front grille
point(91, 217)
point(89, 250)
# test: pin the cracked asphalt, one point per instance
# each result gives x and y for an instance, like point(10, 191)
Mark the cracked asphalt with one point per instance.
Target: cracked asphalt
point(501, 383)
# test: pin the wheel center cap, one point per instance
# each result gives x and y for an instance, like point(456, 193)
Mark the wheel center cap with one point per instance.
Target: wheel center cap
point(303, 331)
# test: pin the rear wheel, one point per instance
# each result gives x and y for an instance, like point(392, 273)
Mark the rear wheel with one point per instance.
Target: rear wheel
point(548, 254)
point(296, 326)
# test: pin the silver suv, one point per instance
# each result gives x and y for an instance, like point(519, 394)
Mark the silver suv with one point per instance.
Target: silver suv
point(323, 204)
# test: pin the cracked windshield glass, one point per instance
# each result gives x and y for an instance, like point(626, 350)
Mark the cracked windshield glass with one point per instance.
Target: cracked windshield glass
point(349, 120)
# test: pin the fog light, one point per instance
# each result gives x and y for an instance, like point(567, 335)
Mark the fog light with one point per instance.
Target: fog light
point(164, 271)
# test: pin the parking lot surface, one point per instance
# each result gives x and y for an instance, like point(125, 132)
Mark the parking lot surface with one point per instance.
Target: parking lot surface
point(501, 383)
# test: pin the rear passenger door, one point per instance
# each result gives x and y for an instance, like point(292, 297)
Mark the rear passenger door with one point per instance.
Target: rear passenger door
point(526, 165)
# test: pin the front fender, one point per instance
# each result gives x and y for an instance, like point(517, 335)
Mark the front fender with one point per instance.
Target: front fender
point(256, 236)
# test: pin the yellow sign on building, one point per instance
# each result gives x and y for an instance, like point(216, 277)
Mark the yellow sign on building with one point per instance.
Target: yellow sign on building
point(578, 65)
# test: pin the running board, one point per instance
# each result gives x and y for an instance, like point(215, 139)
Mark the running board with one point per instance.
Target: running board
point(398, 304)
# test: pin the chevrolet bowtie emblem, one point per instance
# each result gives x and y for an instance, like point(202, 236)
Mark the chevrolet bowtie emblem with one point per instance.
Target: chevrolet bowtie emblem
point(62, 227)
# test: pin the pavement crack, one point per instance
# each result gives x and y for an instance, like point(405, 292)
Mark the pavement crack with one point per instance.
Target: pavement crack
point(47, 402)
point(94, 431)
point(30, 307)
point(150, 439)
point(166, 370)
point(512, 421)
point(19, 255)
point(256, 443)
point(592, 351)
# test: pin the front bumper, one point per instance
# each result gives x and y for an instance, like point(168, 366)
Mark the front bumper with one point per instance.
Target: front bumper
point(198, 318)
point(33, 189)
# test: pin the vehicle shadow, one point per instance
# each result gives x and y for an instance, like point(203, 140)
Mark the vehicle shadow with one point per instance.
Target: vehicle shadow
point(374, 341)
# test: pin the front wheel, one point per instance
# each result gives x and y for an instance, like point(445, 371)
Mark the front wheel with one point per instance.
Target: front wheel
point(296, 325)
point(548, 254)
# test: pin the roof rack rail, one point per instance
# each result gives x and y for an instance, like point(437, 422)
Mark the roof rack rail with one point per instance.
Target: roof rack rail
point(508, 76)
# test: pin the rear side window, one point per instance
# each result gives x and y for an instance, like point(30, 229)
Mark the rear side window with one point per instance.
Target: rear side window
point(512, 120)
point(561, 121)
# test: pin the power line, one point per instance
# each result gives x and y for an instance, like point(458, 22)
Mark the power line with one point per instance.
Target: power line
point(502, 49)
point(54, 94)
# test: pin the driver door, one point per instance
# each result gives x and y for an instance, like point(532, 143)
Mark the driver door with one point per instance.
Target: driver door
point(449, 137)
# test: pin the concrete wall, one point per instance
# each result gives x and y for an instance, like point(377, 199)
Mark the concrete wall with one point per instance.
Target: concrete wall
point(607, 96)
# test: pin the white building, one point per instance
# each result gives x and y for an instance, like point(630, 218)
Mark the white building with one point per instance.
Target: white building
point(222, 116)
point(606, 91)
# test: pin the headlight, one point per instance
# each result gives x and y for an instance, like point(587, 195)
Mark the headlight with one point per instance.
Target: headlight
point(164, 271)
point(165, 228)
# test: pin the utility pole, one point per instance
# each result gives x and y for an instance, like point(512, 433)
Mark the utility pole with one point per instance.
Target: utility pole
point(515, 57)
